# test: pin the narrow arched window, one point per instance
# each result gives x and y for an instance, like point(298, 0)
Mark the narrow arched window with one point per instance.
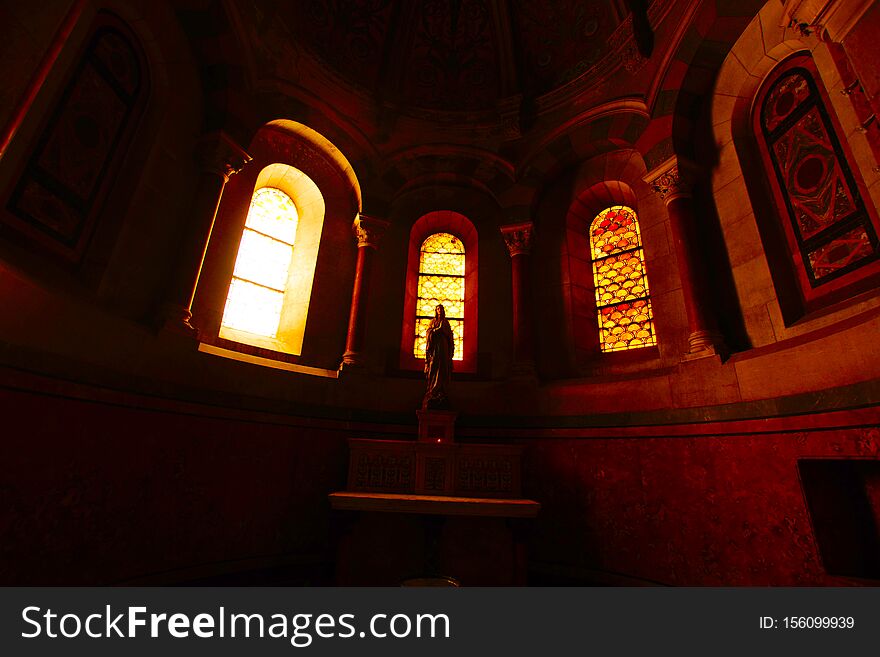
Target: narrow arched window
point(441, 281)
point(622, 297)
point(827, 225)
point(262, 267)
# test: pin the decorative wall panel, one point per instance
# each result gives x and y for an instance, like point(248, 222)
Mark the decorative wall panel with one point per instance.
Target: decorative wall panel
point(60, 190)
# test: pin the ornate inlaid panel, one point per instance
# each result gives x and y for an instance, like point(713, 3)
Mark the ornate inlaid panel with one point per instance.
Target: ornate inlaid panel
point(435, 475)
point(484, 475)
point(426, 468)
point(830, 226)
point(382, 470)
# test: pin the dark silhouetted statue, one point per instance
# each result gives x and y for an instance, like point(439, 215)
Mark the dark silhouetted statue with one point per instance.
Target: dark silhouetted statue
point(438, 360)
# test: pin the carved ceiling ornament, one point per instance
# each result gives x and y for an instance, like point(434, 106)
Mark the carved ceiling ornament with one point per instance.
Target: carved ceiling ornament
point(671, 180)
point(306, 157)
point(518, 238)
point(450, 57)
point(369, 230)
point(509, 111)
point(623, 42)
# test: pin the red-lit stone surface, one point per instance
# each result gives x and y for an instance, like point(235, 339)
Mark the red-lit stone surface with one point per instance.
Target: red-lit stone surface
point(138, 490)
point(724, 510)
point(129, 456)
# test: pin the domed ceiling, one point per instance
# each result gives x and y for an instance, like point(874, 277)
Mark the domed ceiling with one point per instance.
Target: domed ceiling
point(455, 54)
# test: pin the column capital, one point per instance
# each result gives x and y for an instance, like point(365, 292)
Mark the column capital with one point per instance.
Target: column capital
point(671, 180)
point(217, 153)
point(368, 230)
point(830, 19)
point(518, 238)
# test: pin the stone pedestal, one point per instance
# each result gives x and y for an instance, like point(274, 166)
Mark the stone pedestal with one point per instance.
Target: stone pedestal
point(419, 504)
point(436, 426)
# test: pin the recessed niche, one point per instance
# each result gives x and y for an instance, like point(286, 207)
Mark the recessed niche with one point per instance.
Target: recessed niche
point(843, 499)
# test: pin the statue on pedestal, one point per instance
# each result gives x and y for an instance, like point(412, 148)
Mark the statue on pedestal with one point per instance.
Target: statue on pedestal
point(438, 360)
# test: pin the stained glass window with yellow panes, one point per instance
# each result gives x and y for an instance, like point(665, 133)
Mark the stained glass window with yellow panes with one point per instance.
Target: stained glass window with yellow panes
point(441, 281)
point(626, 320)
point(259, 280)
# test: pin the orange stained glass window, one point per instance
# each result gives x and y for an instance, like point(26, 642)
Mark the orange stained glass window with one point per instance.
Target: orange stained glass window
point(441, 281)
point(626, 320)
point(256, 294)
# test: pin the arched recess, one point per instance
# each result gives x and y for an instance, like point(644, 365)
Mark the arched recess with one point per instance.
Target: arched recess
point(581, 291)
point(683, 89)
point(828, 229)
point(765, 285)
point(301, 162)
point(564, 293)
point(610, 128)
point(456, 224)
point(222, 57)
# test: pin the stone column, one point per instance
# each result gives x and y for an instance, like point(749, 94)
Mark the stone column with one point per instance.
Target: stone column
point(218, 158)
point(368, 231)
point(673, 183)
point(518, 238)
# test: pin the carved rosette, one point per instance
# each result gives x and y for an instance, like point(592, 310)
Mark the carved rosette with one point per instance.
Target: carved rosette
point(670, 180)
point(369, 230)
point(518, 238)
point(216, 153)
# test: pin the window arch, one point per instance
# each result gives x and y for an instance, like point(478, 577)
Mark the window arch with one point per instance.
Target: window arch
point(441, 281)
point(267, 301)
point(623, 302)
point(441, 268)
point(319, 180)
point(829, 231)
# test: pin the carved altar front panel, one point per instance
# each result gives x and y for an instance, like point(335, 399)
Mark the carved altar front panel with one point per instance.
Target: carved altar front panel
point(463, 470)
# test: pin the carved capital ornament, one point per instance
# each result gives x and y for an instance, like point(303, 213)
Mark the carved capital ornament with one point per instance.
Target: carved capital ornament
point(671, 180)
point(369, 230)
point(518, 238)
point(830, 20)
point(217, 153)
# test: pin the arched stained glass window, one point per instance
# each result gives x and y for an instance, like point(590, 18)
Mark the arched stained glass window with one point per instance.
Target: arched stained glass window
point(256, 294)
point(622, 296)
point(441, 281)
point(829, 230)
